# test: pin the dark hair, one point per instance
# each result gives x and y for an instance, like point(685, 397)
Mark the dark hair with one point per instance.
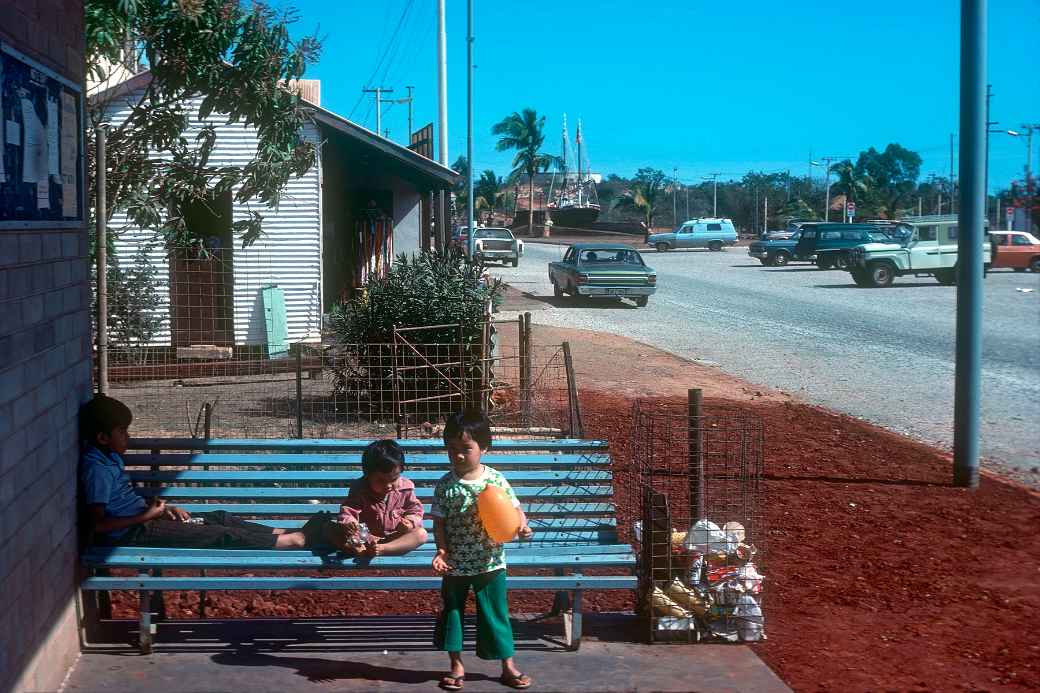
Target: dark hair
point(471, 422)
point(102, 415)
point(382, 456)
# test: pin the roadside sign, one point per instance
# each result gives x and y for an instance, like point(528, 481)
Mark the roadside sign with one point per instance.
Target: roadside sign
point(1010, 212)
point(851, 209)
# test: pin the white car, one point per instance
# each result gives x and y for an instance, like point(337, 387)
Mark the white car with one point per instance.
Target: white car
point(492, 244)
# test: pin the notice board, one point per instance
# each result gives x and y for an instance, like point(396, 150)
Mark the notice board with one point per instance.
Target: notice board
point(41, 141)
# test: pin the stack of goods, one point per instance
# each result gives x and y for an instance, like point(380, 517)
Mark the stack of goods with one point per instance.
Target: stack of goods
point(718, 597)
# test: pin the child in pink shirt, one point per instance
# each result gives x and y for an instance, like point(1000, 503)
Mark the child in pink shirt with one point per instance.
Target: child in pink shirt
point(385, 502)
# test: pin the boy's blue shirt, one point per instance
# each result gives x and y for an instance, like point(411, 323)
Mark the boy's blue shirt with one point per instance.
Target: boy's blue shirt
point(104, 481)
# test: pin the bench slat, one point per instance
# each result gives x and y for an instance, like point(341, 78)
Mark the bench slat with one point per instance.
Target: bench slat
point(415, 476)
point(315, 444)
point(247, 509)
point(438, 460)
point(549, 558)
point(212, 584)
point(274, 492)
point(99, 555)
point(565, 526)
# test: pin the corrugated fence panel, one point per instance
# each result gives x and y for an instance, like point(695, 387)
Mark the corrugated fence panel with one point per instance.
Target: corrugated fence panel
point(287, 255)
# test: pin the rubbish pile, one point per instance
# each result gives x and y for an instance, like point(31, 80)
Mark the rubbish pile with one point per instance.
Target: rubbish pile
point(714, 590)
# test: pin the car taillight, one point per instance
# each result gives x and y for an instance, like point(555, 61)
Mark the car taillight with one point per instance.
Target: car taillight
point(582, 279)
point(652, 279)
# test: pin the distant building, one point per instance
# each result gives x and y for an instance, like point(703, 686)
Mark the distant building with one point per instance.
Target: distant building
point(359, 205)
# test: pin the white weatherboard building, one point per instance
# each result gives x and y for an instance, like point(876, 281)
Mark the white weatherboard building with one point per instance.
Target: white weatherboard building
point(314, 240)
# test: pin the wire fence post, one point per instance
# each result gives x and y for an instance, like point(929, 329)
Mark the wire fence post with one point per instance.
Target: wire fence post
point(299, 391)
point(694, 398)
point(577, 430)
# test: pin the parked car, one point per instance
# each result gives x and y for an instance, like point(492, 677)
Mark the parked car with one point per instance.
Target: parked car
point(603, 270)
point(459, 237)
point(777, 252)
point(713, 234)
point(1015, 249)
point(928, 249)
point(830, 243)
point(496, 245)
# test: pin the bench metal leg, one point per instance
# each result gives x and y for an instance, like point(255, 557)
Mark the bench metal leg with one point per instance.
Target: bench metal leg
point(572, 622)
point(145, 625)
point(561, 599)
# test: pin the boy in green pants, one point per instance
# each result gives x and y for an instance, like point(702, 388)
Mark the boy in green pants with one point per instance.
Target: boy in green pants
point(467, 557)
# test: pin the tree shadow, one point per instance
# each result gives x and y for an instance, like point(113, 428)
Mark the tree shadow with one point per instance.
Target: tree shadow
point(571, 302)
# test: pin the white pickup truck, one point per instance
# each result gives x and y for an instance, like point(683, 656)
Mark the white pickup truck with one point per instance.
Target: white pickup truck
point(929, 248)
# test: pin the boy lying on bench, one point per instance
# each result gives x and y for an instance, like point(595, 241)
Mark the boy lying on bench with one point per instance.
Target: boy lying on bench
point(121, 516)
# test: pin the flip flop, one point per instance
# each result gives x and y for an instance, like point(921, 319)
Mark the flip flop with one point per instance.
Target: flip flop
point(453, 683)
point(517, 681)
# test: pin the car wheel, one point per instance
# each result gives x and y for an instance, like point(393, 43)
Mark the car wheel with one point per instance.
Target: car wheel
point(947, 277)
point(823, 262)
point(516, 262)
point(841, 260)
point(781, 259)
point(1034, 264)
point(662, 247)
point(880, 274)
point(861, 277)
point(557, 291)
point(715, 246)
point(641, 301)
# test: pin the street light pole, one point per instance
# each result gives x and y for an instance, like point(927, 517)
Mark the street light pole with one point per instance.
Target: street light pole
point(469, 125)
point(442, 123)
point(967, 375)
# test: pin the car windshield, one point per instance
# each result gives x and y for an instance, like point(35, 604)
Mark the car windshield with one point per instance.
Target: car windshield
point(493, 233)
point(603, 256)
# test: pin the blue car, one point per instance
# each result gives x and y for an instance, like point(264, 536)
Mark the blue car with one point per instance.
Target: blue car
point(713, 234)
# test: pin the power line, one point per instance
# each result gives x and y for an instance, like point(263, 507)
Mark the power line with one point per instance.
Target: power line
point(379, 63)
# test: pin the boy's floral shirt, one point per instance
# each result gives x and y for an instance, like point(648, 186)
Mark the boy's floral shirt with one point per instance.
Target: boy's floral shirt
point(470, 550)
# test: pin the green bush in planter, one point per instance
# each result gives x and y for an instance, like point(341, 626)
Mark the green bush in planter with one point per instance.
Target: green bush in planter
point(429, 288)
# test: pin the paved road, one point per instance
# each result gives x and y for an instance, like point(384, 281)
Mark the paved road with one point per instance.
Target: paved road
point(886, 355)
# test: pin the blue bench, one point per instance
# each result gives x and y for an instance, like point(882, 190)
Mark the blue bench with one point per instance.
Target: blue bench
point(565, 486)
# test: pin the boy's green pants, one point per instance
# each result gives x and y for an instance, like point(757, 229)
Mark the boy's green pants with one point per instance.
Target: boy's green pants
point(494, 633)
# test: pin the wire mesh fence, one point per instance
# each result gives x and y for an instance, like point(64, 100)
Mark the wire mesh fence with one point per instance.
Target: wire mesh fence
point(700, 536)
point(405, 388)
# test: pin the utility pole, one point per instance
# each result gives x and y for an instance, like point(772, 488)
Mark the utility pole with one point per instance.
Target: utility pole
point(827, 204)
point(765, 213)
point(953, 186)
point(675, 184)
point(714, 193)
point(687, 189)
point(379, 91)
point(442, 122)
point(967, 376)
point(989, 129)
point(409, 99)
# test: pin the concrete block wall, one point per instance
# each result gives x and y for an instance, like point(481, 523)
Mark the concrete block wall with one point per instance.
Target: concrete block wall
point(45, 375)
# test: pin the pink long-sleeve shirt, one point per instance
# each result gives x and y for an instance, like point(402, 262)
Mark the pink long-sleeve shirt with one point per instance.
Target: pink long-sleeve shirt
point(382, 515)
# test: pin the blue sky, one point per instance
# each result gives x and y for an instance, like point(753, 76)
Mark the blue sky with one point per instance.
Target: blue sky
point(686, 84)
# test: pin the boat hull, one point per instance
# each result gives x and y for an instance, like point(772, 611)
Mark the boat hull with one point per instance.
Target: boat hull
point(574, 217)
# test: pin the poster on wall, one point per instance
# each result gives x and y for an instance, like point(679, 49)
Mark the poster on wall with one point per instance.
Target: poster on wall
point(41, 145)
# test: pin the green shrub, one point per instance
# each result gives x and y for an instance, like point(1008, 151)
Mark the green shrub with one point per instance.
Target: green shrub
point(430, 288)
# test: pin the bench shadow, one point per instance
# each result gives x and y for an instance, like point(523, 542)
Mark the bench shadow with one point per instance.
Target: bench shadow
point(362, 634)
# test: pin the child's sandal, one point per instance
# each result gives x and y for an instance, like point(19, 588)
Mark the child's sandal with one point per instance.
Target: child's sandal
point(453, 683)
point(517, 681)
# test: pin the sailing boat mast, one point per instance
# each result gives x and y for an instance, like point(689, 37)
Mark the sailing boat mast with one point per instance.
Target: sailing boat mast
point(577, 141)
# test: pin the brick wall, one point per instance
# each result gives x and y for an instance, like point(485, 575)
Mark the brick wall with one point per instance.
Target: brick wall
point(44, 376)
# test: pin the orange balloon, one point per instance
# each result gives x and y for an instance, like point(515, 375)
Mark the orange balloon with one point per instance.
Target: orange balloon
point(501, 520)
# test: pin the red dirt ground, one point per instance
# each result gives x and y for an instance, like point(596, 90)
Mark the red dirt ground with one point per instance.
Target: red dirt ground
point(880, 575)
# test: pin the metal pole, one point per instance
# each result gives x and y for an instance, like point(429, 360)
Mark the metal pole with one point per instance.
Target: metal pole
point(827, 203)
point(989, 95)
point(101, 221)
point(469, 125)
point(765, 214)
point(715, 195)
point(695, 428)
point(967, 378)
point(442, 123)
point(675, 191)
point(953, 186)
point(410, 99)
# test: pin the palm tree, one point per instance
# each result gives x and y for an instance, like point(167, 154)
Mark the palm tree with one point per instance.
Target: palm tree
point(851, 182)
point(487, 191)
point(524, 132)
point(647, 191)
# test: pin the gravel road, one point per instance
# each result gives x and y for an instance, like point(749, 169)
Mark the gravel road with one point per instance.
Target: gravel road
point(885, 355)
